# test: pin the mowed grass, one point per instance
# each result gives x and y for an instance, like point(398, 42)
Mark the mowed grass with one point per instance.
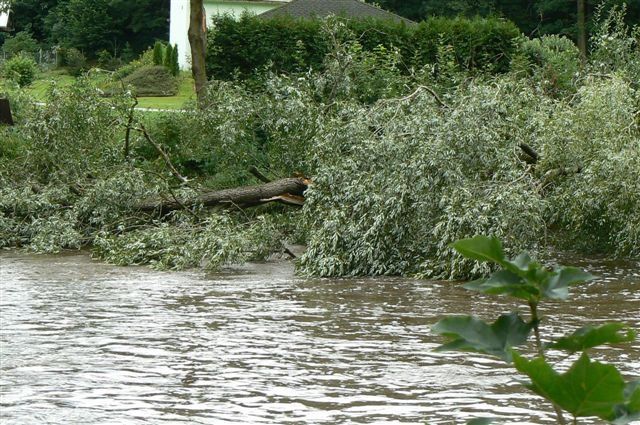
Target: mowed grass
point(46, 80)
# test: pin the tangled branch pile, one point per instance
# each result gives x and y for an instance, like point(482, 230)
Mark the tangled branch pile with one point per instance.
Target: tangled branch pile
point(401, 165)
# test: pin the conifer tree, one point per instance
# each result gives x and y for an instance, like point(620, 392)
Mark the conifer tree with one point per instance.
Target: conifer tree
point(168, 52)
point(175, 66)
point(158, 53)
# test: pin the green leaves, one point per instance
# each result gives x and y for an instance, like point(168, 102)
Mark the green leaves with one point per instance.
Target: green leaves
point(588, 388)
point(629, 411)
point(481, 248)
point(556, 286)
point(521, 278)
point(472, 334)
point(589, 336)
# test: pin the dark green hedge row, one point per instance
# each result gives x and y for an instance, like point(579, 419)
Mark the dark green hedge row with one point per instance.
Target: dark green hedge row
point(239, 48)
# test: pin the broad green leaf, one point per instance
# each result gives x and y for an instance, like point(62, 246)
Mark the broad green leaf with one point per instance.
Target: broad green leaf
point(472, 334)
point(557, 286)
point(481, 248)
point(586, 389)
point(589, 336)
point(504, 282)
point(630, 410)
point(632, 394)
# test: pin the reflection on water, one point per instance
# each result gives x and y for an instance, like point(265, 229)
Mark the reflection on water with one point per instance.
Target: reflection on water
point(87, 343)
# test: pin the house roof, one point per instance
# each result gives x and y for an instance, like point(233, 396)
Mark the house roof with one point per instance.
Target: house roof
point(323, 8)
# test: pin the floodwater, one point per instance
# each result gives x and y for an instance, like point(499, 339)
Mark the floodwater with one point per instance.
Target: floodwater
point(87, 343)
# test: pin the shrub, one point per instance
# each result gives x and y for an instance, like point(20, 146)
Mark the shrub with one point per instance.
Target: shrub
point(553, 61)
point(166, 58)
point(75, 61)
point(152, 81)
point(175, 66)
point(107, 61)
point(145, 59)
point(21, 69)
point(239, 48)
point(158, 53)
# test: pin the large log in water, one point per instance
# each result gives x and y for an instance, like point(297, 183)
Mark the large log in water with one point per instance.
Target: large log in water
point(289, 191)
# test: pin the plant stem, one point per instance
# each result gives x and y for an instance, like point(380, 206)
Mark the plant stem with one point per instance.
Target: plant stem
point(533, 306)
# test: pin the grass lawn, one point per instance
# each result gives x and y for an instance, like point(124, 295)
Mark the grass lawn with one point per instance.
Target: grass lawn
point(45, 80)
point(38, 89)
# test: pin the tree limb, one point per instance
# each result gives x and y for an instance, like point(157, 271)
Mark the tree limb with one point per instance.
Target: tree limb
point(289, 191)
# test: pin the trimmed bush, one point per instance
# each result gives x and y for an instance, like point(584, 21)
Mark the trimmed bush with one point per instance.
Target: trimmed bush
point(239, 48)
point(152, 81)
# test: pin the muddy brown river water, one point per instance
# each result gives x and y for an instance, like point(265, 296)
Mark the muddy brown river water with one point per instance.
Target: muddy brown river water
point(82, 342)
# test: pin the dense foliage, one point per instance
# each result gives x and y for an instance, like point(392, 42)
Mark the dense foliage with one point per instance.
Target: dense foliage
point(240, 48)
point(533, 17)
point(21, 69)
point(93, 25)
point(402, 163)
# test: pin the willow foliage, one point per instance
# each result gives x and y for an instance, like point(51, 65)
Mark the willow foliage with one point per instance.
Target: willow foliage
point(402, 165)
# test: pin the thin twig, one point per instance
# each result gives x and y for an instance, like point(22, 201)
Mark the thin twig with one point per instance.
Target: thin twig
point(127, 134)
point(162, 153)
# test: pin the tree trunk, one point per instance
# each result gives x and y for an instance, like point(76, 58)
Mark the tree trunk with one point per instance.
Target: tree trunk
point(198, 42)
point(582, 31)
point(288, 191)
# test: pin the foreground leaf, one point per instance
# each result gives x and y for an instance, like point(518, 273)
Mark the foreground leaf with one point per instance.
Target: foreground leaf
point(589, 337)
point(504, 282)
point(472, 334)
point(557, 285)
point(586, 389)
point(481, 248)
point(629, 411)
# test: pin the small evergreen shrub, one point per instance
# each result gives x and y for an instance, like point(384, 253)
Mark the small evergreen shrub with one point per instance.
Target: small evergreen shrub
point(152, 81)
point(21, 69)
point(158, 53)
point(175, 66)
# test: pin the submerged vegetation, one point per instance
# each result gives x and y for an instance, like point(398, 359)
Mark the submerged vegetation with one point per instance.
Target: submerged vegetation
point(402, 163)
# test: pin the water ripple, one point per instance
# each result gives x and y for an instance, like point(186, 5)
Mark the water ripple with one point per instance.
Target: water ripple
point(87, 343)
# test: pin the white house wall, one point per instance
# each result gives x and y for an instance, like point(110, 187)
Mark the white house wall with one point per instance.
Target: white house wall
point(180, 20)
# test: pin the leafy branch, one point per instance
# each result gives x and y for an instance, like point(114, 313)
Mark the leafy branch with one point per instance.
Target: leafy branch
point(588, 388)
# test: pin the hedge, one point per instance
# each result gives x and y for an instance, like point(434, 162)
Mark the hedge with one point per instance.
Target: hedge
point(237, 49)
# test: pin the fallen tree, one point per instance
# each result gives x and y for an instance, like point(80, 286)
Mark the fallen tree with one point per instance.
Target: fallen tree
point(288, 191)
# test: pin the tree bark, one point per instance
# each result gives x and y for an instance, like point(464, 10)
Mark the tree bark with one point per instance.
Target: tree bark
point(289, 191)
point(198, 42)
point(582, 31)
